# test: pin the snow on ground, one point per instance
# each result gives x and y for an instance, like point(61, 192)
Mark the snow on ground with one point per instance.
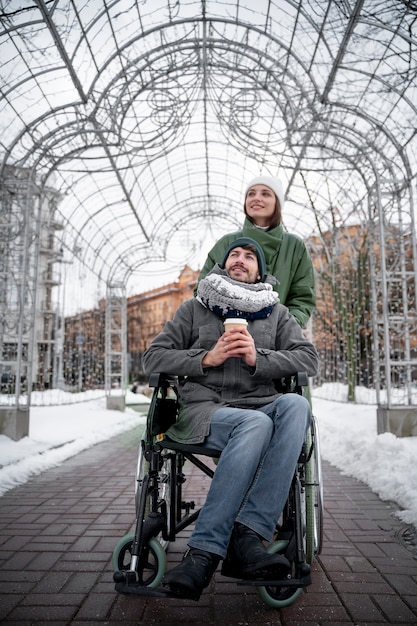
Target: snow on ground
point(348, 436)
point(388, 464)
point(58, 432)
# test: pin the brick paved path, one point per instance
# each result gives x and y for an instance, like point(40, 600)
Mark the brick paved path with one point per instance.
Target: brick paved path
point(57, 533)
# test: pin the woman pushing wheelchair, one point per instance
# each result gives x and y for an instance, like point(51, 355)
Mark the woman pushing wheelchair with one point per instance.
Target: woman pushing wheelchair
point(228, 402)
point(286, 255)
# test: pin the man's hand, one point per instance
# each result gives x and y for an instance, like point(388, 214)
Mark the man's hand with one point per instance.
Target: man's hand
point(233, 343)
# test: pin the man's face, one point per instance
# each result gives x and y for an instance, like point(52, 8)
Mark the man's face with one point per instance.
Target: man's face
point(242, 265)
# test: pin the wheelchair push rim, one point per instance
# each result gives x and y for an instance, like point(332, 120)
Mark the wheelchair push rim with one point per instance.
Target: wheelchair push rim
point(314, 496)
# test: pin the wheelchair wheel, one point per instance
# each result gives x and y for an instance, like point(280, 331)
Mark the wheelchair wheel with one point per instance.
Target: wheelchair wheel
point(278, 597)
point(153, 562)
point(313, 497)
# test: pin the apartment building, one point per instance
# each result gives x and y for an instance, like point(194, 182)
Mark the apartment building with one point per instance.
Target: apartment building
point(148, 312)
point(84, 348)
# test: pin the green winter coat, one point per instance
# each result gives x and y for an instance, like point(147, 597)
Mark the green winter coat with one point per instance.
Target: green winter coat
point(286, 258)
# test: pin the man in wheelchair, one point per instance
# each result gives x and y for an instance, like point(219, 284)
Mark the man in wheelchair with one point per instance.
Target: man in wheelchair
point(229, 402)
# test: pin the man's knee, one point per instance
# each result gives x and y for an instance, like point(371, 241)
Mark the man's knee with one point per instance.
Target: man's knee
point(242, 420)
point(259, 421)
point(295, 402)
point(296, 407)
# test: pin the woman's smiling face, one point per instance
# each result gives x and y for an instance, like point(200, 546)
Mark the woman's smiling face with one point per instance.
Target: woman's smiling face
point(260, 203)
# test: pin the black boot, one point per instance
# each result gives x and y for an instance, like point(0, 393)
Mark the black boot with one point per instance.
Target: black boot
point(247, 557)
point(192, 575)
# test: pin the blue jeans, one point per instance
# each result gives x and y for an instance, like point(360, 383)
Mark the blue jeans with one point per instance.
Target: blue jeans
point(259, 452)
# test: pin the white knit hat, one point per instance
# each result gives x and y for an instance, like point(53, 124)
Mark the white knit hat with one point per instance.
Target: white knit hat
point(272, 183)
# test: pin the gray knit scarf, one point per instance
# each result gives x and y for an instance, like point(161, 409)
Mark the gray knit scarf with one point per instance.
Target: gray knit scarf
point(230, 298)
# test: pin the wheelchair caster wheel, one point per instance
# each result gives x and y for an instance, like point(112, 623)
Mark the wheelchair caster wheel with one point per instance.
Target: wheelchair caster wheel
point(278, 597)
point(152, 564)
point(119, 577)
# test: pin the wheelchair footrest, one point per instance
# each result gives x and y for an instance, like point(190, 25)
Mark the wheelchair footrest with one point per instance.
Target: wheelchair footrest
point(127, 584)
point(304, 580)
point(137, 589)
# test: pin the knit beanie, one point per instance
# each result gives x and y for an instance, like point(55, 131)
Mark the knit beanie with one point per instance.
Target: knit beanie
point(247, 241)
point(272, 183)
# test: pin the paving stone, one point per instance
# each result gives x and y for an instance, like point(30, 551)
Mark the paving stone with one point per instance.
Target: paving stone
point(58, 532)
point(395, 609)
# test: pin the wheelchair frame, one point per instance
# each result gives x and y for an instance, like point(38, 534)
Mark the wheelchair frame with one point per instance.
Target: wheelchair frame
point(139, 558)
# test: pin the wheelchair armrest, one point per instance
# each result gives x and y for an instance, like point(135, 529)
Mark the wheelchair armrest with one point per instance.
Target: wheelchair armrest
point(163, 409)
point(159, 379)
point(293, 383)
point(301, 379)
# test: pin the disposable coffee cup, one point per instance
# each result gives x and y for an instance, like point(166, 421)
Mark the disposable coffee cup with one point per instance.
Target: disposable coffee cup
point(235, 322)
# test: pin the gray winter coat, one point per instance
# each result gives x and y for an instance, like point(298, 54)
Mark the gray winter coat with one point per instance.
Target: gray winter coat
point(281, 349)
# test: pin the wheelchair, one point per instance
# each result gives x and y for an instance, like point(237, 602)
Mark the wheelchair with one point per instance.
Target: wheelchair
point(139, 559)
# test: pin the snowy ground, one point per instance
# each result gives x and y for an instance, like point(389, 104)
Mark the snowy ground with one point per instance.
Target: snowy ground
point(57, 432)
point(348, 438)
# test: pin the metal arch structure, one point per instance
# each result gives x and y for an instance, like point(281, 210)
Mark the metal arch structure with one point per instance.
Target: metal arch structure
point(130, 127)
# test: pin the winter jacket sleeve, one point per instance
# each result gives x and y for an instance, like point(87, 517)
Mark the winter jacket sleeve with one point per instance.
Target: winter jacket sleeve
point(291, 353)
point(171, 351)
point(299, 290)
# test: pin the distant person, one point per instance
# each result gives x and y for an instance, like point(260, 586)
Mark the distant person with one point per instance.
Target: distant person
point(287, 258)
